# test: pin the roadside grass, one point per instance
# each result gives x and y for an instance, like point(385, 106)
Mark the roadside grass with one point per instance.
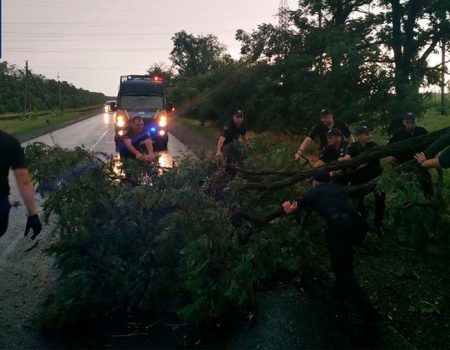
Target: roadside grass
point(208, 129)
point(20, 126)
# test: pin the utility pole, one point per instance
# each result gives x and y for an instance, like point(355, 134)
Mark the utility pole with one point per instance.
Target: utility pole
point(59, 93)
point(443, 79)
point(25, 109)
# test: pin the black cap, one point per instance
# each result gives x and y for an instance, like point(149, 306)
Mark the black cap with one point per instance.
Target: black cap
point(409, 116)
point(325, 111)
point(321, 175)
point(238, 113)
point(334, 132)
point(364, 129)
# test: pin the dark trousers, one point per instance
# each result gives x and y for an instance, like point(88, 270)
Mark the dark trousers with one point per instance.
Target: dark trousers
point(380, 206)
point(233, 155)
point(424, 178)
point(4, 215)
point(342, 235)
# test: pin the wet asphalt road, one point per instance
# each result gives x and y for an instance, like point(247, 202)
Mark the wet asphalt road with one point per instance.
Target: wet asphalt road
point(26, 272)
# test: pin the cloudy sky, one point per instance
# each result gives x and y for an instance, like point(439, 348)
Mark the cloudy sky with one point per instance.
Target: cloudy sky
point(92, 42)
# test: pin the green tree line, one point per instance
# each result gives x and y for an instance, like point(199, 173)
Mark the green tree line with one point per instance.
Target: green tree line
point(44, 93)
point(366, 60)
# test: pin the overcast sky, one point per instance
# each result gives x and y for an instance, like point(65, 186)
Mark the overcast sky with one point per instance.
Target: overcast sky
point(92, 42)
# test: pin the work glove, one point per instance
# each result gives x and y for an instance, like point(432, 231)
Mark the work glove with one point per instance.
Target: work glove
point(34, 223)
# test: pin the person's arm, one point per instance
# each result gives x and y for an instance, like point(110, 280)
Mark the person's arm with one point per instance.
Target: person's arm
point(132, 149)
point(245, 140)
point(149, 147)
point(319, 163)
point(347, 134)
point(219, 146)
point(304, 145)
point(427, 163)
point(26, 189)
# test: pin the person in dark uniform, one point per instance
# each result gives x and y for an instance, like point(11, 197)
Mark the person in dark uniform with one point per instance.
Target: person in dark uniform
point(232, 131)
point(13, 157)
point(337, 149)
point(366, 172)
point(442, 160)
point(345, 228)
point(321, 129)
point(407, 131)
point(136, 142)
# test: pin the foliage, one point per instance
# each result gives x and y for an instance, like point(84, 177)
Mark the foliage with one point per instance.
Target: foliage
point(192, 55)
point(43, 92)
point(163, 247)
point(363, 59)
point(418, 220)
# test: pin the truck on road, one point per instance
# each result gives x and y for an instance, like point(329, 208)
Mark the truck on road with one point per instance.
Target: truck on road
point(143, 95)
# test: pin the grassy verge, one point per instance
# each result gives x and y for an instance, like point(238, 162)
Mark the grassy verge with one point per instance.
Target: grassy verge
point(38, 124)
point(207, 130)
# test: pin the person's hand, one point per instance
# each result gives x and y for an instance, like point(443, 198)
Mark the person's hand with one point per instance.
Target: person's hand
point(34, 223)
point(391, 160)
point(335, 173)
point(219, 154)
point(298, 155)
point(149, 157)
point(289, 207)
point(420, 157)
point(140, 156)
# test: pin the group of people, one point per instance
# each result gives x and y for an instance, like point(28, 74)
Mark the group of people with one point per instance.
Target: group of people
point(346, 223)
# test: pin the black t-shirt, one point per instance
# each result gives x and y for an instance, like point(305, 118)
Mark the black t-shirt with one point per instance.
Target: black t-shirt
point(401, 134)
point(320, 130)
point(371, 170)
point(11, 157)
point(136, 139)
point(329, 201)
point(331, 153)
point(444, 158)
point(232, 133)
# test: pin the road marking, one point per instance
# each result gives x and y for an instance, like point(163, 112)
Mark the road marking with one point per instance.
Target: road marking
point(98, 141)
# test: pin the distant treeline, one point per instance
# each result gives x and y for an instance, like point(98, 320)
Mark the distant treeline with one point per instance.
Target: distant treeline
point(44, 93)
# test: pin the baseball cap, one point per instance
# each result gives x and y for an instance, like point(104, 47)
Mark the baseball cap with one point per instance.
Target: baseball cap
point(321, 175)
point(364, 129)
point(334, 132)
point(408, 116)
point(325, 111)
point(238, 113)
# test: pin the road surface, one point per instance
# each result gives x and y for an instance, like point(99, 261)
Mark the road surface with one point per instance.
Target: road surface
point(26, 273)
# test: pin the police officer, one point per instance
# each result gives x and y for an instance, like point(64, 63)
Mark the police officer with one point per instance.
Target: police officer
point(366, 172)
point(345, 228)
point(321, 129)
point(136, 142)
point(407, 131)
point(442, 160)
point(232, 131)
point(337, 149)
point(13, 157)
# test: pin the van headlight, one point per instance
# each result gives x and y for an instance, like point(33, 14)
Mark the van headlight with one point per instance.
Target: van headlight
point(120, 121)
point(163, 121)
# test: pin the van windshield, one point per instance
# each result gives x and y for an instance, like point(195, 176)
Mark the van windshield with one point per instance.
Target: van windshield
point(141, 102)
